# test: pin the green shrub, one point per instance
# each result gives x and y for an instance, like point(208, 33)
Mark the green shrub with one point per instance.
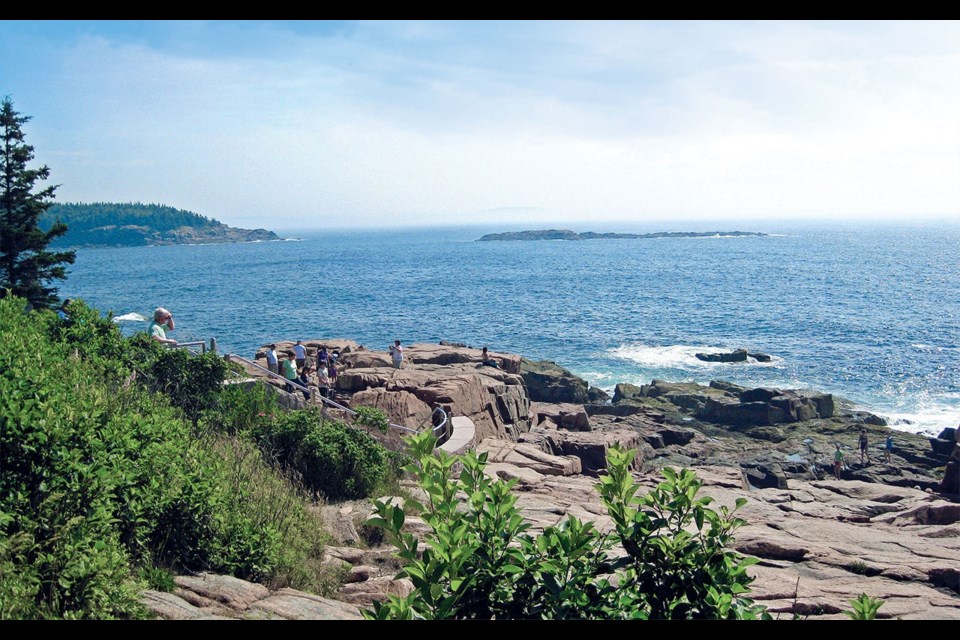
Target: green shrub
point(679, 565)
point(101, 480)
point(371, 418)
point(241, 409)
point(332, 458)
point(192, 382)
point(479, 561)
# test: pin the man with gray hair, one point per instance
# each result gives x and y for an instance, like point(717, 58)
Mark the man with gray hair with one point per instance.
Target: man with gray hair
point(162, 322)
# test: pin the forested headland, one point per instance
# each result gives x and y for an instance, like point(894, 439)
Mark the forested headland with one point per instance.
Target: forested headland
point(137, 224)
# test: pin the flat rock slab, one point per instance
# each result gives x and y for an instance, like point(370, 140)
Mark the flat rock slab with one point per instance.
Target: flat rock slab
point(169, 606)
point(291, 604)
point(530, 457)
point(375, 590)
point(506, 471)
point(233, 592)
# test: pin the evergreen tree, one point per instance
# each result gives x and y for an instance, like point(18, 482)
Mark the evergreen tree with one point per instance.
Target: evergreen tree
point(25, 265)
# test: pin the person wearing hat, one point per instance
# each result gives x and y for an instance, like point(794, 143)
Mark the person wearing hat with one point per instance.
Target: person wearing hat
point(162, 322)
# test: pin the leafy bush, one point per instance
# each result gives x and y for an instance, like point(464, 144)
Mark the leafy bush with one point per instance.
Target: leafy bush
point(102, 480)
point(371, 418)
point(480, 562)
point(671, 571)
point(332, 458)
point(240, 410)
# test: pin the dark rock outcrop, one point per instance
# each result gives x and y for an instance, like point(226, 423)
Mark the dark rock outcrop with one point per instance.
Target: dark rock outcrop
point(737, 355)
point(547, 381)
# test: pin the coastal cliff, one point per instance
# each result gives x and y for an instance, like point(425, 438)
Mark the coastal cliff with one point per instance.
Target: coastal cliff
point(886, 529)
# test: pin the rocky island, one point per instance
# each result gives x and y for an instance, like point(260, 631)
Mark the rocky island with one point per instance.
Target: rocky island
point(566, 234)
point(888, 529)
point(106, 224)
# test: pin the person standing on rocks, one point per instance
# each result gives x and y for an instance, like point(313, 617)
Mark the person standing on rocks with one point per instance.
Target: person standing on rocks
point(272, 362)
point(332, 372)
point(323, 381)
point(290, 371)
point(396, 353)
point(864, 451)
point(888, 448)
point(837, 461)
point(301, 354)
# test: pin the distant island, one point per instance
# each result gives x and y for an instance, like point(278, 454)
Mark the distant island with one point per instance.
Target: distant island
point(107, 224)
point(566, 234)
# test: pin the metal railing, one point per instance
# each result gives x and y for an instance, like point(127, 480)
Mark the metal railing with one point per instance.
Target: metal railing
point(441, 428)
point(197, 343)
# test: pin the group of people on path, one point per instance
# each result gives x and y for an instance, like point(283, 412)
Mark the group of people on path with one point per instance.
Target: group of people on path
point(295, 368)
point(863, 444)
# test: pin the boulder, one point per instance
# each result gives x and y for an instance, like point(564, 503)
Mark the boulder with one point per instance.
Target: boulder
point(729, 387)
point(572, 417)
point(728, 411)
point(824, 403)
point(494, 400)
point(950, 484)
point(591, 448)
point(942, 446)
point(765, 476)
point(597, 395)
point(739, 355)
point(378, 589)
point(626, 391)
point(547, 381)
point(364, 360)
point(677, 436)
point(401, 406)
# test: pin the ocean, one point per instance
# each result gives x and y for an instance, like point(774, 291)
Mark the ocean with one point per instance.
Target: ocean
point(867, 312)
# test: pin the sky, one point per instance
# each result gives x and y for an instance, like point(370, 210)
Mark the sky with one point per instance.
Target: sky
point(379, 124)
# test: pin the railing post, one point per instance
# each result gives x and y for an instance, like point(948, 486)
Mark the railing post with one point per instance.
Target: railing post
point(213, 345)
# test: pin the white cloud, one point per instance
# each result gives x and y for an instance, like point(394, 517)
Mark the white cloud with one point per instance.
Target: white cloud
point(387, 123)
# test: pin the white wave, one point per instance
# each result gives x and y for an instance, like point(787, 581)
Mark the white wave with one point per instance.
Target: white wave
point(129, 317)
point(596, 376)
point(928, 423)
point(680, 356)
point(292, 239)
point(927, 348)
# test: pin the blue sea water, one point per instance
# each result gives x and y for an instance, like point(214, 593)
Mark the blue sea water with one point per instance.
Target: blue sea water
point(870, 313)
